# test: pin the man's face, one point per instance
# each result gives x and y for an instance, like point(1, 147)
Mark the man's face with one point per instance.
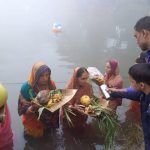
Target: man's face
point(141, 39)
point(134, 84)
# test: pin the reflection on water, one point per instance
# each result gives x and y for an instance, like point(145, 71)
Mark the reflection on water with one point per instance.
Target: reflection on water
point(66, 138)
point(92, 32)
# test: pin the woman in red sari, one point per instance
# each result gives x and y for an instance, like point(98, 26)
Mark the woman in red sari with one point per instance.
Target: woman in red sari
point(6, 141)
point(79, 80)
point(113, 79)
point(39, 80)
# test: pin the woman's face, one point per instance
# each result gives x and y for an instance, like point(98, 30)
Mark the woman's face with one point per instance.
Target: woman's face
point(83, 79)
point(43, 80)
point(107, 68)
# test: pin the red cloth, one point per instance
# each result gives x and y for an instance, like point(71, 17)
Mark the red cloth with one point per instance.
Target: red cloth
point(6, 136)
point(85, 89)
point(33, 127)
point(133, 113)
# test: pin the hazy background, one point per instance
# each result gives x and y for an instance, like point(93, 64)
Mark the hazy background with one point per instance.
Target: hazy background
point(93, 31)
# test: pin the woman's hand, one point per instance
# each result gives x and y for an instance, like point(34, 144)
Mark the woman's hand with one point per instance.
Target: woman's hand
point(34, 106)
point(32, 109)
point(70, 106)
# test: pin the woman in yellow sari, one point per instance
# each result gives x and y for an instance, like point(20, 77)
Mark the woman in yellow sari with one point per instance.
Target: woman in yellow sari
point(39, 79)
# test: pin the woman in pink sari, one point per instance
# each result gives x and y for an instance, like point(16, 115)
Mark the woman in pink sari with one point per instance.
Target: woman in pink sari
point(113, 79)
point(6, 136)
point(79, 80)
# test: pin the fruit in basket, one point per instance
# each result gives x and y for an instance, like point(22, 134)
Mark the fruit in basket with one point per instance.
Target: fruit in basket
point(57, 97)
point(100, 80)
point(42, 97)
point(50, 103)
point(89, 109)
point(85, 100)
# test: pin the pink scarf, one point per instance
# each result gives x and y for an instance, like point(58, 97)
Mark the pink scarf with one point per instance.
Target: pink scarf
point(114, 69)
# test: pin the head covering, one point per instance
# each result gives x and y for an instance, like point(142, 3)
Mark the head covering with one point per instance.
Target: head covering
point(84, 90)
point(37, 70)
point(73, 82)
point(32, 75)
point(114, 66)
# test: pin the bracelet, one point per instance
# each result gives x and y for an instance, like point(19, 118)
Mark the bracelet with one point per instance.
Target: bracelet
point(30, 110)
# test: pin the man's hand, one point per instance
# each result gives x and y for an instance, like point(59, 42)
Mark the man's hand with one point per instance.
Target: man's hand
point(110, 90)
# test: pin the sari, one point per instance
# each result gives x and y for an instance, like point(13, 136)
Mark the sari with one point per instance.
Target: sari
point(113, 79)
point(29, 90)
point(133, 113)
point(80, 118)
point(6, 135)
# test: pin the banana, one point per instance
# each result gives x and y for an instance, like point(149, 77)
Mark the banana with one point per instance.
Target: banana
point(50, 103)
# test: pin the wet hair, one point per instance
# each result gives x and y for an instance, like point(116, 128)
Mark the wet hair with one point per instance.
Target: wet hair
point(80, 71)
point(141, 58)
point(143, 23)
point(140, 73)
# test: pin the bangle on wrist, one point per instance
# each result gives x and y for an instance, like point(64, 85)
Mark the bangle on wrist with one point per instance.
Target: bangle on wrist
point(30, 110)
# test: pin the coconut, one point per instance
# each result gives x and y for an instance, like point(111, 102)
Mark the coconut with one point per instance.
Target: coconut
point(3, 95)
point(85, 100)
point(42, 97)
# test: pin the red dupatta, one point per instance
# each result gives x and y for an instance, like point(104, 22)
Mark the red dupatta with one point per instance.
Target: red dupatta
point(82, 90)
point(5, 130)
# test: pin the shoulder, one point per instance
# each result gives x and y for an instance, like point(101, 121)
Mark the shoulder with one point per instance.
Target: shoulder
point(25, 86)
point(118, 79)
point(26, 91)
point(53, 84)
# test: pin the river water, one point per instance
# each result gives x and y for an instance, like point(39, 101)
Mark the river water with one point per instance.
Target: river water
point(92, 33)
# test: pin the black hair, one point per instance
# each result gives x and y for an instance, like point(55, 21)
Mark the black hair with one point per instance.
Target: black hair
point(143, 23)
point(80, 71)
point(140, 73)
point(141, 58)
